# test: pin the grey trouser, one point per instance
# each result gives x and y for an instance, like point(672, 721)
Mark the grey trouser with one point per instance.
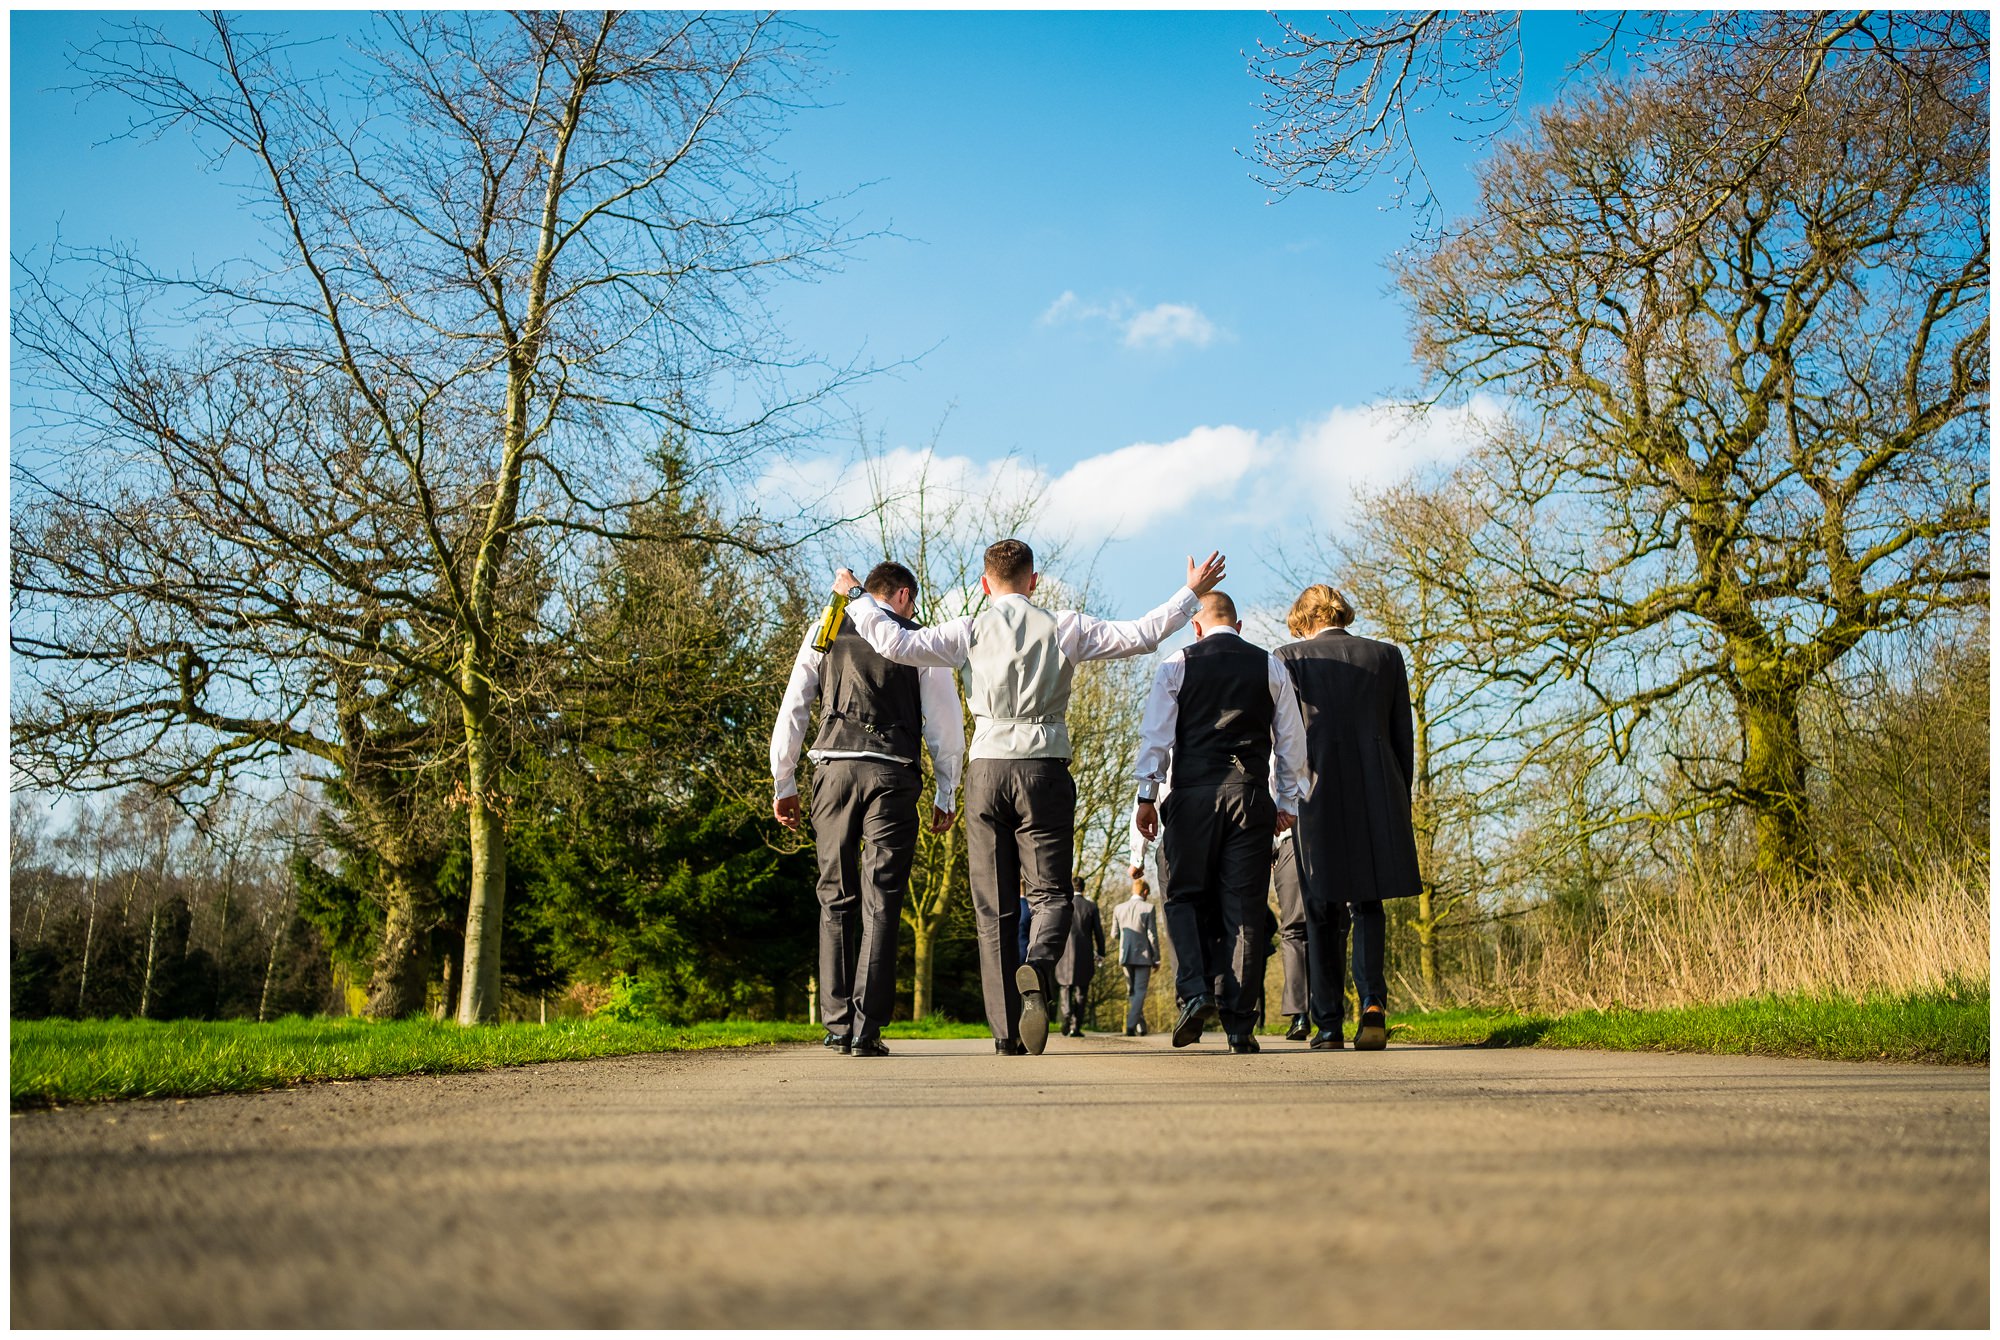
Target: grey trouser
point(1217, 846)
point(1291, 927)
point(1138, 976)
point(1020, 836)
point(1076, 1000)
point(864, 813)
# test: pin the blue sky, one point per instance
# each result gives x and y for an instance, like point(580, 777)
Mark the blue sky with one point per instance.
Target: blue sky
point(1099, 298)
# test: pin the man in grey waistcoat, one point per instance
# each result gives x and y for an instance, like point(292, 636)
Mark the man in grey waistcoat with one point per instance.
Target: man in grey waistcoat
point(1225, 712)
point(1138, 953)
point(864, 802)
point(1020, 801)
point(1078, 964)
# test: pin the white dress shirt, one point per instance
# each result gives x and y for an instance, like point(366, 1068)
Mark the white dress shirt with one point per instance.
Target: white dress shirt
point(1289, 781)
point(944, 726)
point(1082, 637)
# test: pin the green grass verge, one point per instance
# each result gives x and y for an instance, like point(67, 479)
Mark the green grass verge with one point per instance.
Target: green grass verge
point(1948, 1026)
point(66, 1061)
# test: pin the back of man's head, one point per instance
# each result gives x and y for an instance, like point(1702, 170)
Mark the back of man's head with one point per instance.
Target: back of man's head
point(1076, 882)
point(885, 579)
point(1217, 609)
point(1009, 564)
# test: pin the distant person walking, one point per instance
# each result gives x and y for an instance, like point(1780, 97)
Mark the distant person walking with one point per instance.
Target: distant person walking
point(1138, 953)
point(1356, 847)
point(1225, 713)
point(1020, 801)
point(1077, 967)
point(864, 801)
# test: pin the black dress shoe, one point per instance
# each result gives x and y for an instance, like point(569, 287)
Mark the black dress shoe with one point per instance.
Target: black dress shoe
point(869, 1047)
point(1327, 1040)
point(1132, 1032)
point(839, 1042)
point(1372, 1035)
point(1297, 1032)
point(1199, 1011)
point(1243, 1044)
point(1009, 1047)
point(1034, 1008)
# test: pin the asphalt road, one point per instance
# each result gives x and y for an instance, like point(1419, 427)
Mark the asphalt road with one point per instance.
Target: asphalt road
point(1109, 1183)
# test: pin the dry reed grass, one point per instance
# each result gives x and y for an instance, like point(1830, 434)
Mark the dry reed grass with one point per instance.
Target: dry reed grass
point(1700, 943)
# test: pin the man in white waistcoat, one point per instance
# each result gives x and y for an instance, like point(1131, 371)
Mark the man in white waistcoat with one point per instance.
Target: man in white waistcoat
point(1020, 802)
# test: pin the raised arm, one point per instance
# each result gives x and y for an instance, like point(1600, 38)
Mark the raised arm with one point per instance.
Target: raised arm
point(945, 645)
point(1088, 638)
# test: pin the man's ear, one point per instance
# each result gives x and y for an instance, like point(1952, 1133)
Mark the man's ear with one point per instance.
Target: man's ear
point(1198, 630)
point(1033, 577)
point(1238, 625)
point(984, 588)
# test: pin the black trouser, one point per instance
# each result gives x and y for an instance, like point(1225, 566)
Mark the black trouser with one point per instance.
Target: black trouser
point(1076, 1001)
point(1020, 838)
point(1291, 927)
point(1327, 922)
point(1216, 844)
point(864, 813)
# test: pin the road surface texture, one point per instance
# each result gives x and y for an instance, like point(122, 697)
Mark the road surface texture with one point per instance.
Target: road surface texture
point(1109, 1183)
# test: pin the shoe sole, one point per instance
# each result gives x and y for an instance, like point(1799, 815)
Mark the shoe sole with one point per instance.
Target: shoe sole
point(1190, 1033)
point(1371, 1039)
point(1034, 1010)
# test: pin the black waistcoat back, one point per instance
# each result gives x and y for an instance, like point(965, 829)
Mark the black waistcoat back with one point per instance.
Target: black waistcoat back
point(1224, 730)
point(868, 703)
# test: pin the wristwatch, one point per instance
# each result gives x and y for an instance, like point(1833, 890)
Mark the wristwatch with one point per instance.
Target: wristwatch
point(856, 591)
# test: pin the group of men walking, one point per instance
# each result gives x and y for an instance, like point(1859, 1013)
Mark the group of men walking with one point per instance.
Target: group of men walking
point(1308, 746)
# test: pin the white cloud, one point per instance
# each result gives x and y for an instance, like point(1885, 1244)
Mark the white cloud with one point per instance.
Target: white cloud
point(1161, 326)
point(1168, 324)
point(1120, 493)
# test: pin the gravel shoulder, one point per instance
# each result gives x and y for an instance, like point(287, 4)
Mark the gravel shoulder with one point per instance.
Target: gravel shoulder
point(1110, 1183)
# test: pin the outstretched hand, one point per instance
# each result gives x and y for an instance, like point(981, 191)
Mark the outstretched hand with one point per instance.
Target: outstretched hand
point(1205, 576)
point(844, 581)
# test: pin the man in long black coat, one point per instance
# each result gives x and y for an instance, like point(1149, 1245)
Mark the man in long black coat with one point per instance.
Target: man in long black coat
point(1078, 964)
point(1356, 847)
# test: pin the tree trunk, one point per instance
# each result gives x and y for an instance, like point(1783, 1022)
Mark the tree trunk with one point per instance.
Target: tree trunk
point(479, 994)
point(402, 963)
point(447, 984)
point(89, 933)
point(270, 970)
point(1774, 784)
point(923, 944)
point(152, 942)
point(1427, 954)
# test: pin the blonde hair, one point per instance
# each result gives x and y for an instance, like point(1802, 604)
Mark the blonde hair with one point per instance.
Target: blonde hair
point(1141, 887)
point(1318, 606)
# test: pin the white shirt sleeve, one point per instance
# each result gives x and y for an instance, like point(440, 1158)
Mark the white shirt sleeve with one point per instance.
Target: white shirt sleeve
point(1156, 726)
point(944, 731)
point(946, 644)
point(788, 733)
point(1085, 637)
point(1290, 780)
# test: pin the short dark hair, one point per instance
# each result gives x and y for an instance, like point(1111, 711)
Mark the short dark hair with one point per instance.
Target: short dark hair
point(1076, 882)
point(1218, 605)
point(886, 578)
point(1009, 561)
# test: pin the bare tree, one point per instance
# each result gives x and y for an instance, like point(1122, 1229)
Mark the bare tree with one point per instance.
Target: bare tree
point(514, 252)
point(1748, 354)
point(1343, 108)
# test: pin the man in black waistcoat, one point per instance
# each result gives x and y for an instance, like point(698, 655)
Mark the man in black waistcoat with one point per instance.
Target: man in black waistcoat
point(1224, 711)
point(1078, 965)
point(864, 802)
point(1356, 846)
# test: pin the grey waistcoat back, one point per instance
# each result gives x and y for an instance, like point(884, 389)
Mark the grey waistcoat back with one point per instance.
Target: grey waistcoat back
point(1017, 683)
